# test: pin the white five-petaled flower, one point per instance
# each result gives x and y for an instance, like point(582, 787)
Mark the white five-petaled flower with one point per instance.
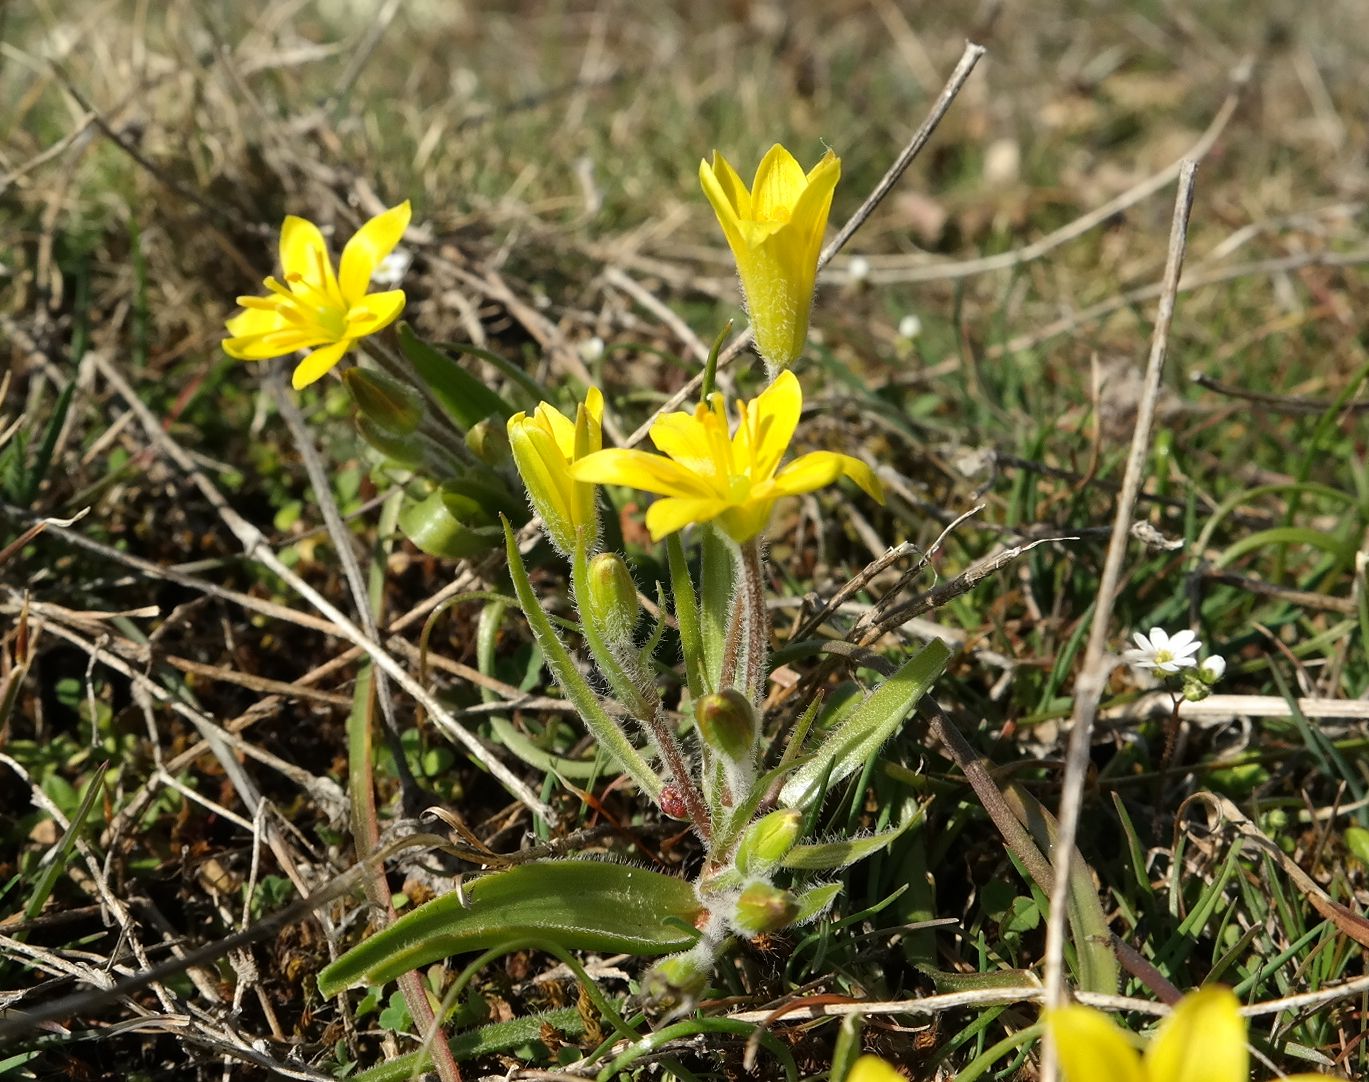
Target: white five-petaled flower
point(1163, 653)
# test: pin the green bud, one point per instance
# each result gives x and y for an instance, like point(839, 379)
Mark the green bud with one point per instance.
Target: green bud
point(489, 442)
point(676, 980)
point(767, 841)
point(611, 596)
point(727, 723)
point(764, 908)
point(389, 405)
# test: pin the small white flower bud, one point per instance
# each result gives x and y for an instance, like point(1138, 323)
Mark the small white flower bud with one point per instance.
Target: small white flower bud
point(909, 327)
point(858, 268)
point(1212, 669)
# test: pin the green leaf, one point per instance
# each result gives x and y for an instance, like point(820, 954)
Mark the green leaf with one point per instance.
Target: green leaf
point(828, 856)
point(430, 524)
point(1097, 964)
point(715, 603)
point(466, 399)
point(815, 902)
point(579, 904)
point(485, 1041)
point(686, 606)
point(865, 729)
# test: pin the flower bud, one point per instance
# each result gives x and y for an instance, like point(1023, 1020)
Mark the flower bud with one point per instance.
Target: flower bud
point(544, 446)
point(489, 441)
point(727, 723)
point(675, 980)
point(1212, 669)
point(611, 597)
point(767, 841)
point(391, 406)
point(763, 908)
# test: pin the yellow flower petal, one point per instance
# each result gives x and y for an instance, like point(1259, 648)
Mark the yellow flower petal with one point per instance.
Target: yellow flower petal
point(820, 468)
point(368, 246)
point(1202, 1041)
point(638, 469)
point(672, 513)
point(304, 253)
point(873, 1069)
point(733, 187)
point(594, 403)
point(561, 428)
point(1093, 1048)
point(779, 183)
point(775, 413)
point(375, 312)
point(318, 363)
point(253, 322)
point(685, 438)
point(813, 206)
point(724, 205)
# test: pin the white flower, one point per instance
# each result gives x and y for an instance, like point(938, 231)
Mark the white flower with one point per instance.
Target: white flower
point(1212, 669)
point(858, 268)
point(1162, 653)
point(909, 327)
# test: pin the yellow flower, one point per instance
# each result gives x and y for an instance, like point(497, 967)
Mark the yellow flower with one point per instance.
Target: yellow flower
point(544, 447)
point(1202, 1041)
point(775, 232)
point(873, 1069)
point(315, 308)
point(734, 480)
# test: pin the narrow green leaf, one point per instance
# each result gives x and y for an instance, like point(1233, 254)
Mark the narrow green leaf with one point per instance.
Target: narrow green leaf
point(814, 902)
point(715, 601)
point(686, 616)
point(1097, 964)
point(578, 904)
point(43, 459)
point(485, 1041)
point(828, 856)
point(864, 731)
point(466, 399)
point(573, 685)
point(56, 865)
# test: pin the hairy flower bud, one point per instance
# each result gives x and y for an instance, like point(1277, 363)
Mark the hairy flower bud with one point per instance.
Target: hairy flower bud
point(488, 440)
point(763, 908)
point(727, 723)
point(676, 980)
point(388, 404)
point(767, 841)
point(611, 597)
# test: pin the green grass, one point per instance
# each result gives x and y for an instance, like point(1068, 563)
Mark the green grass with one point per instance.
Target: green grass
point(544, 146)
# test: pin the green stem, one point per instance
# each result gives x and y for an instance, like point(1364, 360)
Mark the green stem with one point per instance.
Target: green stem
point(757, 620)
point(637, 692)
point(602, 727)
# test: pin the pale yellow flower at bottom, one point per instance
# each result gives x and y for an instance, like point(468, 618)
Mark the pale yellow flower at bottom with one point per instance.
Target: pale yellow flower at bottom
point(314, 307)
point(1202, 1041)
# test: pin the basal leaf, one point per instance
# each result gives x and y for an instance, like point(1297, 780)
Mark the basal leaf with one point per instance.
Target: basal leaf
point(579, 904)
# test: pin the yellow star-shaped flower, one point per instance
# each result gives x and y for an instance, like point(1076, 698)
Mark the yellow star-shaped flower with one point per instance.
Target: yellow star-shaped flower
point(707, 475)
point(312, 307)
